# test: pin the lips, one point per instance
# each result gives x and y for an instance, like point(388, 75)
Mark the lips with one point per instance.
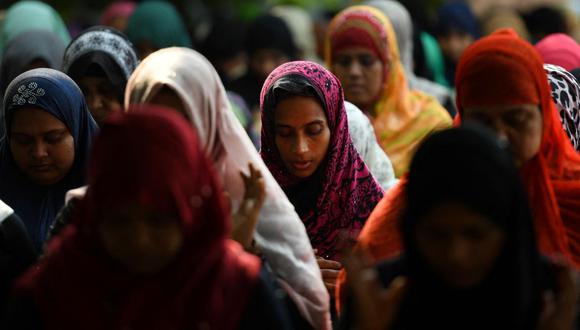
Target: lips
point(42, 167)
point(301, 165)
point(355, 88)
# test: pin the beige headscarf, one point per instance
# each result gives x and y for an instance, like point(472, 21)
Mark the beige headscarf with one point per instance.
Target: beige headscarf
point(280, 233)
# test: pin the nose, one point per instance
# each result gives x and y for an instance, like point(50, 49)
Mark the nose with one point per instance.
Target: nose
point(458, 251)
point(355, 68)
point(142, 237)
point(94, 101)
point(300, 145)
point(502, 133)
point(39, 150)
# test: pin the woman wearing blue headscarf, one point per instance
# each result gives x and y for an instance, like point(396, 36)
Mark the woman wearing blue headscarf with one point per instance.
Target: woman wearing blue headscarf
point(49, 131)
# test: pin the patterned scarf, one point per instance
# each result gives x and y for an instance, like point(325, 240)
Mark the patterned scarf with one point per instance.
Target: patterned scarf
point(566, 95)
point(349, 191)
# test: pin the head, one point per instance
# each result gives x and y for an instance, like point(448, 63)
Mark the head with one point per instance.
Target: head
point(184, 80)
point(153, 194)
point(456, 29)
point(501, 84)
point(154, 25)
point(100, 60)
point(559, 49)
point(464, 230)
point(269, 44)
point(361, 49)
point(302, 109)
point(117, 14)
point(49, 128)
point(301, 129)
point(30, 50)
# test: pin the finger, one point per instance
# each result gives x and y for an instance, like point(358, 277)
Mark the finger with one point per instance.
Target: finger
point(329, 264)
point(245, 178)
point(329, 274)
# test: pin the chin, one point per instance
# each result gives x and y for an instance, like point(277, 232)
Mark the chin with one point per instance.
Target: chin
point(45, 181)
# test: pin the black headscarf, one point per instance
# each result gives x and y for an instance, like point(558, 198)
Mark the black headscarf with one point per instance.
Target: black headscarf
point(467, 165)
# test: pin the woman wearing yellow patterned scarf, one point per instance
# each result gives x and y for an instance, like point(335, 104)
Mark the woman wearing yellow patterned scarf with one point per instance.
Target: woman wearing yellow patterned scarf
point(361, 49)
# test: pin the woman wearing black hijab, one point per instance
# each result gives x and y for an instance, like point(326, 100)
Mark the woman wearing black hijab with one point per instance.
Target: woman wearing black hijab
point(471, 260)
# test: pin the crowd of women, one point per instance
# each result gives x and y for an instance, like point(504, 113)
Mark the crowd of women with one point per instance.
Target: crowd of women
point(388, 176)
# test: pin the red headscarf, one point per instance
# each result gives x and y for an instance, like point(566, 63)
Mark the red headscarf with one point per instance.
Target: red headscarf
point(150, 158)
point(503, 69)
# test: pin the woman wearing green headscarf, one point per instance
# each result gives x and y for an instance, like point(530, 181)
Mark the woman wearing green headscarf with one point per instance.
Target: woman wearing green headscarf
point(31, 15)
point(154, 25)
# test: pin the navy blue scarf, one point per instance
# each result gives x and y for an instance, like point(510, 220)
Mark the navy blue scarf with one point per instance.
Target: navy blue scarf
point(57, 94)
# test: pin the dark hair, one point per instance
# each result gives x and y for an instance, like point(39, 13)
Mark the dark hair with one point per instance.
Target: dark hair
point(290, 86)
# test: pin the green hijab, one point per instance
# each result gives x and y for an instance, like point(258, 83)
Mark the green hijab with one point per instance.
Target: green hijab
point(159, 23)
point(29, 15)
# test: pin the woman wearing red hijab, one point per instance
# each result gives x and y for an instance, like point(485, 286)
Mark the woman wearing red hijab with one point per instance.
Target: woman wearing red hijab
point(148, 247)
point(501, 83)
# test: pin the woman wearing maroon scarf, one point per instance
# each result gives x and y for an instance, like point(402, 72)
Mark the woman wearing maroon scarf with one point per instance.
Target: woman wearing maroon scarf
point(307, 146)
point(148, 247)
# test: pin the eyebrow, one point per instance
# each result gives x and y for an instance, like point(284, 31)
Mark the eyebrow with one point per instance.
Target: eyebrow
point(58, 130)
point(314, 122)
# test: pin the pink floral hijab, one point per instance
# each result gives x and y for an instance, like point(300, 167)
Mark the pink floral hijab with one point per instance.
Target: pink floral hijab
point(347, 191)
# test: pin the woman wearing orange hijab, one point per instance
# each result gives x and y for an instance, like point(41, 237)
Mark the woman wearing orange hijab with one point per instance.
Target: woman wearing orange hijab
point(362, 51)
point(501, 84)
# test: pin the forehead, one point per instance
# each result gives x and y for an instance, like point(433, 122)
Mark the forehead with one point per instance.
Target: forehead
point(498, 110)
point(355, 51)
point(299, 110)
point(34, 120)
point(454, 216)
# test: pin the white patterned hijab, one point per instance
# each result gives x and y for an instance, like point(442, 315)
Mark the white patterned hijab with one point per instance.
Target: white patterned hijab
point(566, 95)
point(279, 233)
point(365, 141)
point(104, 40)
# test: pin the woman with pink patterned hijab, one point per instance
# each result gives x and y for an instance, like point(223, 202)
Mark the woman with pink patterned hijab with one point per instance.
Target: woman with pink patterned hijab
point(307, 147)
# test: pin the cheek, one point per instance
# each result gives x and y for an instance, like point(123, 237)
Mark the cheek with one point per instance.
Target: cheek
point(341, 72)
point(113, 105)
point(20, 154)
point(321, 144)
point(170, 243)
point(376, 79)
point(284, 147)
point(63, 154)
point(527, 141)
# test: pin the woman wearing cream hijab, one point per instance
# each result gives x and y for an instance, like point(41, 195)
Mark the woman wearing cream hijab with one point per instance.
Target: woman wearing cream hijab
point(183, 79)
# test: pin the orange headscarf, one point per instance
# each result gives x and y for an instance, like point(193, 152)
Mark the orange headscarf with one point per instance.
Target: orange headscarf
point(401, 118)
point(552, 177)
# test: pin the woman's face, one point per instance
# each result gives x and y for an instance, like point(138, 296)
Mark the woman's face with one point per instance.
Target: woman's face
point(461, 246)
point(302, 134)
point(101, 96)
point(520, 125)
point(42, 146)
point(361, 74)
point(142, 241)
